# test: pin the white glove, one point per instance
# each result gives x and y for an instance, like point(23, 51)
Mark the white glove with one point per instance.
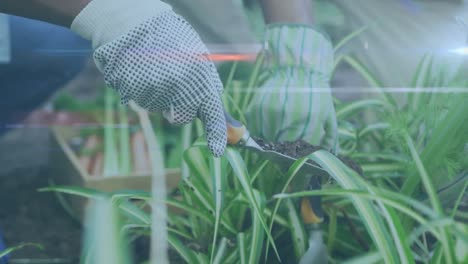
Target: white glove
point(154, 57)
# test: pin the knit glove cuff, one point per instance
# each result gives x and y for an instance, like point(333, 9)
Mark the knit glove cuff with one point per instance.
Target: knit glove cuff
point(295, 45)
point(103, 21)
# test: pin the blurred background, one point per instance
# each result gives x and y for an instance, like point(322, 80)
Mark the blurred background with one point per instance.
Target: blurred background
point(49, 80)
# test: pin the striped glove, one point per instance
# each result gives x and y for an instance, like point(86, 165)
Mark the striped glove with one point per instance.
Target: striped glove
point(295, 101)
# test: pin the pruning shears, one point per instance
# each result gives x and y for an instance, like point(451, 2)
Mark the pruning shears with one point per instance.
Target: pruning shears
point(239, 135)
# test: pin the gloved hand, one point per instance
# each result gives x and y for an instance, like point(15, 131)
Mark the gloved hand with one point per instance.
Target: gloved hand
point(295, 102)
point(154, 57)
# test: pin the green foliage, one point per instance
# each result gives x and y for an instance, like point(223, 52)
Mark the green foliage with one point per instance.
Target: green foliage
point(424, 138)
point(242, 209)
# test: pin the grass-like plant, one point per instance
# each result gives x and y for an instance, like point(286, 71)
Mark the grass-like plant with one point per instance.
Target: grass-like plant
point(404, 209)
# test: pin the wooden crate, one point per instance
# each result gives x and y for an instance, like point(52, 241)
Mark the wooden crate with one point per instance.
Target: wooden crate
point(65, 169)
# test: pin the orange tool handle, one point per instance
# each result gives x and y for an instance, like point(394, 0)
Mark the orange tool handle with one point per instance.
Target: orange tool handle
point(311, 207)
point(235, 129)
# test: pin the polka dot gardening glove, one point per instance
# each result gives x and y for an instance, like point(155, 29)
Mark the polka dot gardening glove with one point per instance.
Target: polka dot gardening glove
point(295, 101)
point(154, 57)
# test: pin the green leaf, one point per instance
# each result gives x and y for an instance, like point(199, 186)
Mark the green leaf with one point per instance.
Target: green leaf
point(447, 243)
point(240, 171)
point(197, 164)
point(350, 37)
point(461, 247)
point(277, 219)
point(437, 255)
point(111, 166)
point(417, 80)
point(180, 233)
point(104, 241)
point(348, 179)
point(158, 187)
point(373, 81)
point(230, 78)
point(201, 258)
point(368, 258)
point(192, 220)
point(236, 111)
point(258, 234)
point(430, 226)
point(83, 192)
point(124, 151)
point(221, 252)
point(453, 127)
point(9, 250)
point(232, 257)
point(241, 244)
point(197, 184)
point(186, 142)
point(422, 78)
point(460, 196)
point(332, 227)
point(399, 234)
point(186, 253)
point(358, 106)
point(135, 213)
point(130, 194)
point(253, 80)
point(299, 236)
point(192, 211)
point(401, 203)
point(258, 171)
point(292, 172)
point(218, 194)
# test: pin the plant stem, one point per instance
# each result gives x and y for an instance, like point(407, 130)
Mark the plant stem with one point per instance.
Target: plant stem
point(186, 142)
point(111, 167)
point(159, 235)
point(125, 167)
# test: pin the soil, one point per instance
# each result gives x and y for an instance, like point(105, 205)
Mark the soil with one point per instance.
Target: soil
point(300, 148)
point(30, 216)
point(296, 149)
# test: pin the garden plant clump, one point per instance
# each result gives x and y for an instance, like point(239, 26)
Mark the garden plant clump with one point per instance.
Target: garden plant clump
point(403, 209)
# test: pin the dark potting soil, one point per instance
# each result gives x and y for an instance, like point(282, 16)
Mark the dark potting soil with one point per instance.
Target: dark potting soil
point(296, 149)
point(300, 148)
point(27, 215)
point(141, 252)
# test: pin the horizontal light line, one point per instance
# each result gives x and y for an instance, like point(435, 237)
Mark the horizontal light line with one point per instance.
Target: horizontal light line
point(63, 51)
point(50, 124)
point(358, 90)
point(231, 57)
point(218, 57)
